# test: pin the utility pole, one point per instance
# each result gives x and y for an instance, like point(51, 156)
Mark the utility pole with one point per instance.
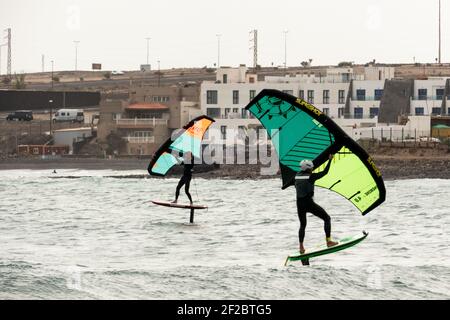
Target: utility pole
point(255, 48)
point(43, 63)
point(218, 50)
point(439, 55)
point(148, 48)
point(8, 37)
point(76, 54)
point(285, 48)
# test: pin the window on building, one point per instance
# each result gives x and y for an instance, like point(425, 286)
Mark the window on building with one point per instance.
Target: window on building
point(359, 113)
point(160, 99)
point(291, 92)
point(252, 94)
point(225, 78)
point(241, 132)
point(423, 94)
point(439, 94)
point(223, 131)
point(374, 112)
point(213, 112)
point(116, 116)
point(211, 97)
point(311, 96)
point(326, 111)
point(378, 94)
point(346, 77)
point(361, 94)
point(341, 112)
point(235, 96)
point(301, 94)
point(227, 112)
point(142, 134)
point(419, 111)
point(326, 96)
point(436, 111)
point(448, 111)
point(341, 96)
point(235, 110)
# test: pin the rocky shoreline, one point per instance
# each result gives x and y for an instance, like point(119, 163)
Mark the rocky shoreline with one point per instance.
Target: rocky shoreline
point(392, 167)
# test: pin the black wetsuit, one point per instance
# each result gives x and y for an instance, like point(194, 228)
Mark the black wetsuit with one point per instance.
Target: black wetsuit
point(185, 180)
point(304, 184)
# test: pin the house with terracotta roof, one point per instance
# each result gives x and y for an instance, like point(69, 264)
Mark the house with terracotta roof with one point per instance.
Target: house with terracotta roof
point(149, 117)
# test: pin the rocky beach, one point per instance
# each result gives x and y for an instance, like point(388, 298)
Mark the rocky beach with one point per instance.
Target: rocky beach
point(394, 163)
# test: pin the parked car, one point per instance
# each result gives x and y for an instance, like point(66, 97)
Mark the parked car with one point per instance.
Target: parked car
point(73, 115)
point(20, 115)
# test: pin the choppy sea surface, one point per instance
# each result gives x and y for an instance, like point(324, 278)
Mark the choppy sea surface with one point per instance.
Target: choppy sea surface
point(97, 237)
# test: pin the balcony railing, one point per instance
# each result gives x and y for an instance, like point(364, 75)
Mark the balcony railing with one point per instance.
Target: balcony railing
point(366, 98)
point(140, 139)
point(150, 122)
point(436, 98)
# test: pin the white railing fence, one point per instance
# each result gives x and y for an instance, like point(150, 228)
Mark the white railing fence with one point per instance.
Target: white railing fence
point(139, 122)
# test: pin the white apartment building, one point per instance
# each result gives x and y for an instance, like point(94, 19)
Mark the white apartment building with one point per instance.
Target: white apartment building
point(226, 98)
point(356, 111)
point(365, 98)
point(428, 96)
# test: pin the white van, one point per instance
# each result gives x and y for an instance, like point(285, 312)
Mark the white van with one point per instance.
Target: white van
point(74, 115)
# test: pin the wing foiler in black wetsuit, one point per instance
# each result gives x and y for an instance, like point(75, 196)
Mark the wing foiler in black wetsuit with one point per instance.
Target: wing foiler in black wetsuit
point(185, 180)
point(304, 184)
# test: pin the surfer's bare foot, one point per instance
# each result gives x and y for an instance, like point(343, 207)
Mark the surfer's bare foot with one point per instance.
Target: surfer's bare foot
point(331, 243)
point(302, 249)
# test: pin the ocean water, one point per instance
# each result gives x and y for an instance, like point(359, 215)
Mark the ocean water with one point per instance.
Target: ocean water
point(97, 237)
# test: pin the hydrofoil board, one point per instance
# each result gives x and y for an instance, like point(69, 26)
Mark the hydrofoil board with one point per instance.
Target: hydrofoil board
point(179, 205)
point(323, 249)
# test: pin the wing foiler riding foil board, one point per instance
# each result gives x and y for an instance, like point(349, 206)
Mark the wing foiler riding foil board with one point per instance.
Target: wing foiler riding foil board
point(322, 250)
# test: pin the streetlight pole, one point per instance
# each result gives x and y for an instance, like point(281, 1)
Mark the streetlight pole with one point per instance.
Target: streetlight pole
point(148, 48)
point(159, 74)
point(52, 74)
point(50, 102)
point(76, 54)
point(218, 50)
point(285, 48)
point(439, 59)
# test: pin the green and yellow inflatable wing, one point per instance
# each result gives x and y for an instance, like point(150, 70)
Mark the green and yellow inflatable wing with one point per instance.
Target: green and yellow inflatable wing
point(300, 131)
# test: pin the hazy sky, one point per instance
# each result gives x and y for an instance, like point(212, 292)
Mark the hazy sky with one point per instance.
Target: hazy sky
point(183, 33)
